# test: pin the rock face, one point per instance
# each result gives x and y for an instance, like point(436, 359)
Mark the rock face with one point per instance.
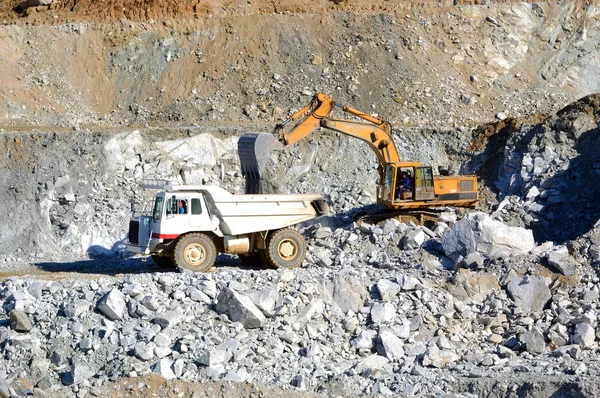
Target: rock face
point(477, 232)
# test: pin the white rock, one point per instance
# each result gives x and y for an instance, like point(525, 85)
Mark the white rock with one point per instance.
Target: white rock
point(112, 304)
point(531, 293)
point(583, 335)
point(533, 193)
point(439, 358)
point(80, 372)
point(214, 357)
point(150, 302)
point(240, 309)
point(374, 365)
point(382, 313)
point(265, 299)
point(407, 282)
point(478, 232)
point(413, 239)
point(387, 289)
point(310, 310)
point(144, 351)
point(164, 368)
point(393, 346)
point(364, 341)
point(162, 340)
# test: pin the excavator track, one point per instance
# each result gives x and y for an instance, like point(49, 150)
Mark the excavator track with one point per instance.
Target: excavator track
point(419, 217)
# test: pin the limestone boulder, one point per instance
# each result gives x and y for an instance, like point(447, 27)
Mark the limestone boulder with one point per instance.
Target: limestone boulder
point(478, 232)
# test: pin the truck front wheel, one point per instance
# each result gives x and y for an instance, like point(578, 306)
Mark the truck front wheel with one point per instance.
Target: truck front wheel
point(196, 253)
point(286, 248)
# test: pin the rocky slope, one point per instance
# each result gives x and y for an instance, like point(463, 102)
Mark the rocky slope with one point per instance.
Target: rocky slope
point(386, 309)
point(440, 65)
point(496, 304)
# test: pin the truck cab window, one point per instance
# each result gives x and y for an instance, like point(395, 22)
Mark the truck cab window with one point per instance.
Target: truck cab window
point(196, 207)
point(158, 206)
point(177, 206)
point(182, 207)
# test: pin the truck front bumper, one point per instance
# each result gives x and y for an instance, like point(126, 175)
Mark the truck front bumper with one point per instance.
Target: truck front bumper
point(138, 249)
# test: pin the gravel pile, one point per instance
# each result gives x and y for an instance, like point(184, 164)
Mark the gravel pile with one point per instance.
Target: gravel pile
point(377, 309)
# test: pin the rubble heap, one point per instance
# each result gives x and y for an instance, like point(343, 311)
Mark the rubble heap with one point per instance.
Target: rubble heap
point(547, 174)
point(377, 309)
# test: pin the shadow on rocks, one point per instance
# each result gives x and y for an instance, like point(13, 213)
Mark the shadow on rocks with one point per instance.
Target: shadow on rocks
point(574, 209)
point(102, 265)
point(569, 206)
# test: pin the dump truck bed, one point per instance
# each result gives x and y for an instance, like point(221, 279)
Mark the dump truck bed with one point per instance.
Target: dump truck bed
point(241, 214)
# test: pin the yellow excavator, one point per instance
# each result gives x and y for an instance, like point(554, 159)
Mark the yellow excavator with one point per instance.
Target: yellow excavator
point(424, 192)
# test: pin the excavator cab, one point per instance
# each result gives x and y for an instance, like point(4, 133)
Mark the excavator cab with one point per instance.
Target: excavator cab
point(421, 183)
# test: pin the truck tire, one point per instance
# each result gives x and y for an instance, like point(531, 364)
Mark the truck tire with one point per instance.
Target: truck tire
point(163, 261)
point(195, 252)
point(286, 248)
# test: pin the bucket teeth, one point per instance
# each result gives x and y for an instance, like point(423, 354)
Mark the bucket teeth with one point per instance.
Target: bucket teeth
point(253, 150)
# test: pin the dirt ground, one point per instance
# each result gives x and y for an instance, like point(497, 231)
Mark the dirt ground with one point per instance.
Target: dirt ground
point(143, 10)
point(156, 386)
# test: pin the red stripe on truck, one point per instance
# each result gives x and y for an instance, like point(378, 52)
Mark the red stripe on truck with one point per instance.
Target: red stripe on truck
point(164, 236)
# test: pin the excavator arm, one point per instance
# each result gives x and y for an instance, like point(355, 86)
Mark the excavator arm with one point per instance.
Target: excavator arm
point(377, 133)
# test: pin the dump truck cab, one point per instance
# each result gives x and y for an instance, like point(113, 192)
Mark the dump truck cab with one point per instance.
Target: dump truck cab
point(174, 213)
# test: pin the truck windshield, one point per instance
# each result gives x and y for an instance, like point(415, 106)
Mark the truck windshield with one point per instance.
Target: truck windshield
point(158, 205)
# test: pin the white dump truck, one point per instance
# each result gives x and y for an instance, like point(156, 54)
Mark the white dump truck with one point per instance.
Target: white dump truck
point(189, 224)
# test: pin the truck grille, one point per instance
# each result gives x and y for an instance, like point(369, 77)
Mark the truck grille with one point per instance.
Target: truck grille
point(134, 230)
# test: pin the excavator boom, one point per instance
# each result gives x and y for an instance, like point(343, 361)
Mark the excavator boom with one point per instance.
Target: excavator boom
point(254, 148)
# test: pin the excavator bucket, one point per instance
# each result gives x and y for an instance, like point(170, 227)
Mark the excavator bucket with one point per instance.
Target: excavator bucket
point(254, 150)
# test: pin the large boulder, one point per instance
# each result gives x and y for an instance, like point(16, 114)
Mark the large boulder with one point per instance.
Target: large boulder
point(531, 293)
point(19, 321)
point(349, 294)
point(240, 308)
point(113, 305)
point(478, 232)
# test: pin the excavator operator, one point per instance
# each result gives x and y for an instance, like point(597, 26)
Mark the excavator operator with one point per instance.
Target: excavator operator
point(404, 185)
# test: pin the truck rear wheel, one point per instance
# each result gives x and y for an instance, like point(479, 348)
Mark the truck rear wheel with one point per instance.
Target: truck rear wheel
point(196, 253)
point(163, 261)
point(286, 248)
